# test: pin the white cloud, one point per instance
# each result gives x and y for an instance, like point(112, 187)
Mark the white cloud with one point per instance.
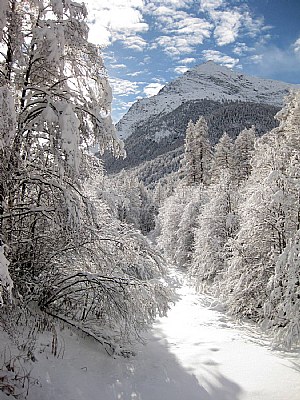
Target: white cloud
point(181, 69)
point(118, 66)
point(188, 25)
point(253, 26)
point(227, 26)
point(133, 42)
point(256, 58)
point(232, 20)
point(129, 20)
point(188, 60)
point(180, 31)
point(175, 4)
point(152, 89)
point(99, 35)
point(241, 49)
point(170, 20)
point(183, 34)
point(159, 80)
point(110, 18)
point(146, 59)
point(135, 73)
point(125, 105)
point(124, 20)
point(108, 4)
point(174, 46)
point(220, 58)
point(163, 11)
point(208, 5)
point(296, 46)
point(124, 87)
point(110, 56)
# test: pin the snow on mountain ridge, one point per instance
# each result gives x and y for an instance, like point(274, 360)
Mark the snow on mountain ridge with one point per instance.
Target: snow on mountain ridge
point(205, 81)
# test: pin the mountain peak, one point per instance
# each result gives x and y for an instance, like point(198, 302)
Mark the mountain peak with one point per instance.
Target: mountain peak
point(210, 63)
point(207, 81)
point(210, 66)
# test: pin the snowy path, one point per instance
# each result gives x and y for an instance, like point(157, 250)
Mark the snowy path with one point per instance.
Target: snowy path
point(193, 354)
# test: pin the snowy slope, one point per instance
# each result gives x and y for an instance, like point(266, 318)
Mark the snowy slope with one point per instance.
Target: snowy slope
point(206, 81)
point(195, 353)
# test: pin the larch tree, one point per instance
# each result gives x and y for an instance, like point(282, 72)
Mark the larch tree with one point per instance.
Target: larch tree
point(269, 216)
point(218, 221)
point(223, 158)
point(282, 307)
point(262, 234)
point(130, 201)
point(169, 219)
point(188, 223)
point(253, 265)
point(243, 152)
point(216, 224)
point(197, 153)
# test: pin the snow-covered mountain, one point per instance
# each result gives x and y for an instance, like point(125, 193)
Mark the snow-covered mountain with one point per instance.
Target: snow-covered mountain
point(229, 100)
point(207, 81)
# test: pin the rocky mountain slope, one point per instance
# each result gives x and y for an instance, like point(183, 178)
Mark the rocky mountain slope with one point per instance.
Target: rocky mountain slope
point(229, 100)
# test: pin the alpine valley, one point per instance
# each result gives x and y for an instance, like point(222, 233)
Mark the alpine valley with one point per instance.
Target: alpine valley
point(154, 128)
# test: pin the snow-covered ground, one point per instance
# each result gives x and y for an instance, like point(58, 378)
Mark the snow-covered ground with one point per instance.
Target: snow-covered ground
point(195, 353)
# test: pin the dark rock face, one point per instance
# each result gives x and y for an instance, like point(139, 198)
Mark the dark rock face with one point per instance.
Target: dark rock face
point(146, 142)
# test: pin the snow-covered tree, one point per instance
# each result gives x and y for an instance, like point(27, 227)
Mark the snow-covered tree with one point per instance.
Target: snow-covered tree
point(282, 307)
point(130, 201)
point(216, 224)
point(56, 82)
point(261, 238)
point(243, 152)
point(123, 195)
point(247, 234)
point(224, 157)
point(107, 286)
point(149, 210)
point(269, 216)
point(177, 220)
point(184, 246)
point(67, 253)
point(197, 153)
point(169, 218)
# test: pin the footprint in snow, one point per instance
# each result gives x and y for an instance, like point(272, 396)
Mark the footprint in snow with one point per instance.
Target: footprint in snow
point(210, 362)
point(214, 349)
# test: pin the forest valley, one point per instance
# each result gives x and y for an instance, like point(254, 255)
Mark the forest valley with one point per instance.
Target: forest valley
point(75, 243)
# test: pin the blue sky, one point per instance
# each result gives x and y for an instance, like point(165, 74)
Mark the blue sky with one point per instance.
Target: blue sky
point(147, 43)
